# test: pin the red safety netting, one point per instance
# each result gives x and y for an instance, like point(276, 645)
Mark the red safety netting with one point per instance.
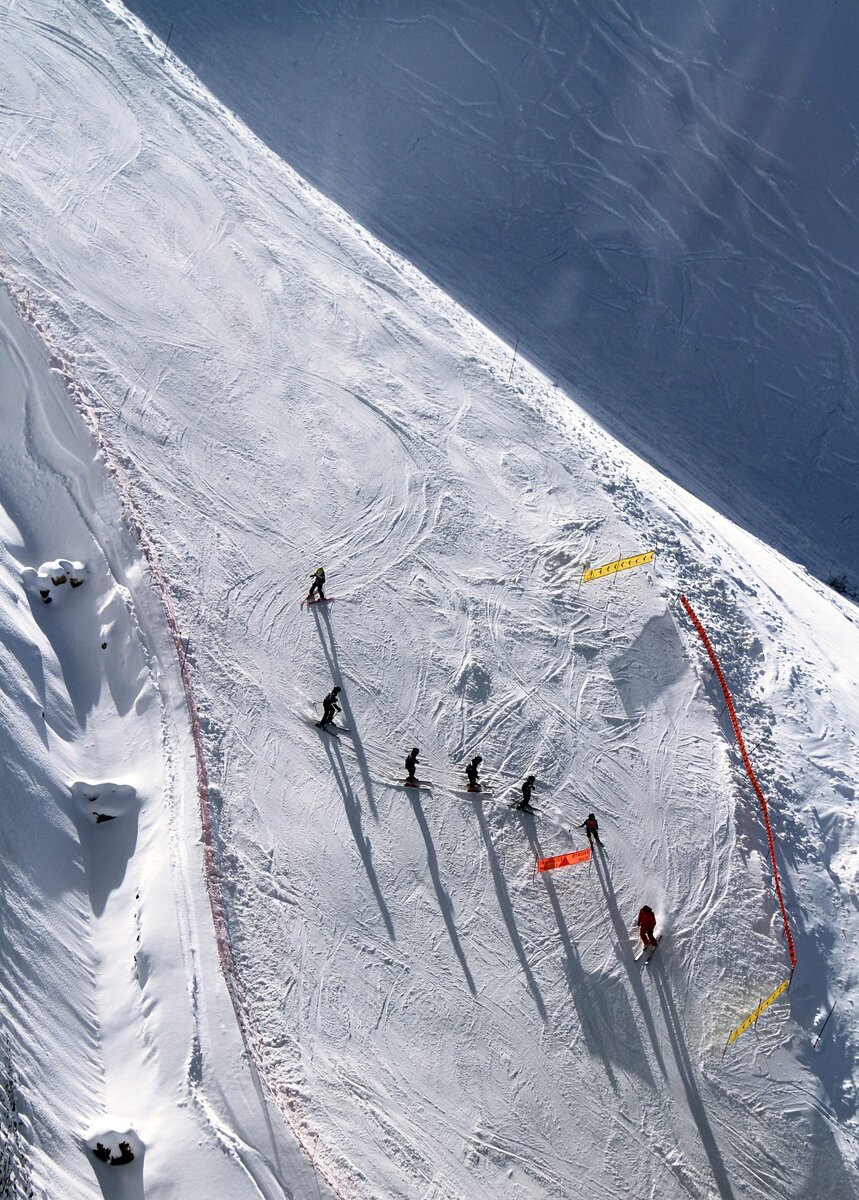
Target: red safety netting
point(702, 633)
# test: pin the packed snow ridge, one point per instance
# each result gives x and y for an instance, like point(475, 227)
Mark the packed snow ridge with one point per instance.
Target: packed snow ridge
point(215, 380)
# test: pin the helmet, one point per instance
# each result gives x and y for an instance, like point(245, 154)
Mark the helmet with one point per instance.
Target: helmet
point(335, 691)
point(592, 816)
point(319, 571)
point(415, 750)
point(531, 778)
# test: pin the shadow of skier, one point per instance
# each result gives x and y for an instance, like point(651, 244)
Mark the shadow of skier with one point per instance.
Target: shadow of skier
point(625, 958)
point(444, 901)
point(507, 907)
point(353, 815)
point(329, 648)
point(572, 964)
point(687, 1077)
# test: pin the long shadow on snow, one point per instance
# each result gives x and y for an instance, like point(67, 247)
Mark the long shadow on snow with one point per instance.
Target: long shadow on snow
point(353, 814)
point(624, 957)
point(687, 1077)
point(106, 849)
point(506, 906)
point(329, 647)
point(444, 901)
point(74, 632)
point(122, 1183)
point(586, 994)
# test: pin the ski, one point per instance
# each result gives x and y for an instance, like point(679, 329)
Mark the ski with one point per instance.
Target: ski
point(327, 600)
point(653, 950)
point(412, 787)
point(330, 727)
point(528, 808)
point(644, 955)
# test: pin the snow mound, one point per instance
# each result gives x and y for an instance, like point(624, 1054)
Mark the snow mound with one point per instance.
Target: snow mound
point(51, 577)
point(104, 801)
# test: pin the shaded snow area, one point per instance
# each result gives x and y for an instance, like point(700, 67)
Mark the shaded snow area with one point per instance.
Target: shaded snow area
point(113, 1011)
point(657, 199)
point(434, 1019)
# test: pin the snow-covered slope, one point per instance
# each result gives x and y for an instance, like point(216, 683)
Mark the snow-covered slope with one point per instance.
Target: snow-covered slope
point(116, 1023)
point(656, 200)
point(444, 1024)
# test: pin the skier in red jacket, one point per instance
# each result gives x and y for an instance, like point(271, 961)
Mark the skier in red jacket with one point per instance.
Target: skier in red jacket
point(646, 924)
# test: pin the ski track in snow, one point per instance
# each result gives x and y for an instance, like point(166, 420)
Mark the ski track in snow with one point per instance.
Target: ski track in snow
point(283, 391)
point(656, 201)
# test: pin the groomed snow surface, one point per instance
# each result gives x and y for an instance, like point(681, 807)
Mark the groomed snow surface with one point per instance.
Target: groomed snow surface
point(432, 1019)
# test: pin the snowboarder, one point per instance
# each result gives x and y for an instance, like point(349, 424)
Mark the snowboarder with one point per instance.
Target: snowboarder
point(126, 1155)
point(527, 788)
point(472, 771)
point(646, 924)
point(318, 584)
point(329, 708)
point(411, 767)
point(101, 1151)
point(591, 827)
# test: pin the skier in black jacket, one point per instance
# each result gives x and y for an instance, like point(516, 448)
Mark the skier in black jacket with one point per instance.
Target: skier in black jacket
point(527, 788)
point(318, 584)
point(411, 767)
point(329, 708)
point(472, 771)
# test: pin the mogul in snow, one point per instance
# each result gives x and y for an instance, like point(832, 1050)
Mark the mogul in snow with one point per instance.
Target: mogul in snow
point(318, 584)
point(472, 772)
point(527, 788)
point(646, 925)
point(591, 827)
point(411, 767)
point(329, 708)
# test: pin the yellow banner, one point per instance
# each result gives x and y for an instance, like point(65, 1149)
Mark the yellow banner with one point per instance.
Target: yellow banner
point(752, 1017)
point(620, 564)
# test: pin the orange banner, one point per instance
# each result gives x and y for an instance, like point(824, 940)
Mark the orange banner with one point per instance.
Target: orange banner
point(563, 860)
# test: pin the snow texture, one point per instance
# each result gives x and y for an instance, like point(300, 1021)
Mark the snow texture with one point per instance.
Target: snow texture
point(438, 1021)
point(657, 201)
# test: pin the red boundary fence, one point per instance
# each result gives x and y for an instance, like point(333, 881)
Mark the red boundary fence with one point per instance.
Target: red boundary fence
point(708, 646)
point(251, 1038)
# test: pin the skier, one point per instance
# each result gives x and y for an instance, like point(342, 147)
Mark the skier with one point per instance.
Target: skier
point(411, 767)
point(646, 924)
point(592, 827)
point(329, 708)
point(318, 584)
point(527, 788)
point(473, 771)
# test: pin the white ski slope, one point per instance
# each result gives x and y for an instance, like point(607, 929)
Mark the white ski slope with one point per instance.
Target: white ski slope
point(282, 389)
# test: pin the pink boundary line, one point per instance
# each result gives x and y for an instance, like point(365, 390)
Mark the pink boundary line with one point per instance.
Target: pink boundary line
point(250, 1034)
point(702, 633)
